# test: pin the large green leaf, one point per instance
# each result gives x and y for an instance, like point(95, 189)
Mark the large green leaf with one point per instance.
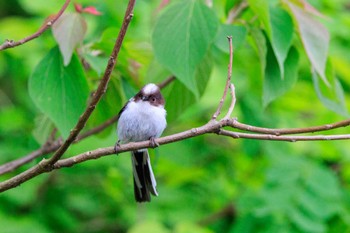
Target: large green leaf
point(274, 85)
point(281, 34)
point(278, 26)
point(259, 44)
point(59, 92)
point(315, 38)
point(179, 97)
point(181, 38)
point(261, 9)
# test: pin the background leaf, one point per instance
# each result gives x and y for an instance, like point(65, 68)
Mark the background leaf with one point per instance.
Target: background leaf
point(69, 30)
point(261, 9)
point(335, 103)
point(181, 38)
point(274, 85)
point(259, 44)
point(59, 92)
point(281, 34)
point(315, 38)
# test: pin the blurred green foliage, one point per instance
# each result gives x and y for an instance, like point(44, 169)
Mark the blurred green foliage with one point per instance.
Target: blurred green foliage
point(271, 186)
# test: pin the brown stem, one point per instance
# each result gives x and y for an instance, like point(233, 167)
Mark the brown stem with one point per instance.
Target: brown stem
point(294, 138)
point(250, 128)
point(228, 81)
point(236, 11)
point(10, 43)
point(166, 82)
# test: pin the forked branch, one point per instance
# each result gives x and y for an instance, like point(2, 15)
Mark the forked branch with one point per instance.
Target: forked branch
point(47, 24)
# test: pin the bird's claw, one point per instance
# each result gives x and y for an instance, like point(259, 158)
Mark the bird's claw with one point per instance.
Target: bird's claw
point(153, 142)
point(116, 147)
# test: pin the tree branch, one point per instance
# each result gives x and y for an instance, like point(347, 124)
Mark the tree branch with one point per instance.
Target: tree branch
point(277, 132)
point(213, 126)
point(10, 43)
point(294, 138)
point(10, 166)
point(236, 11)
point(228, 81)
point(46, 165)
point(166, 82)
point(233, 101)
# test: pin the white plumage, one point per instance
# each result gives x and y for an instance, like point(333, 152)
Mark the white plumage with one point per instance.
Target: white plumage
point(142, 118)
point(140, 121)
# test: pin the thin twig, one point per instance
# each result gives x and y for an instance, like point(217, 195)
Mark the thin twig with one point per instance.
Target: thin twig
point(228, 81)
point(313, 129)
point(294, 138)
point(10, 166)
point(236, 11)
point(233, 102)
point(166, 82)
point(10, 43)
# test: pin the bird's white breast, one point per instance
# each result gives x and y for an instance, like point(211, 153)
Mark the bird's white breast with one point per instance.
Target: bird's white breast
point(140, 121)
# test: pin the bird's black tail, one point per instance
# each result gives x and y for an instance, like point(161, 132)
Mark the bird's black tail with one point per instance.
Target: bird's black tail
point(144, 181)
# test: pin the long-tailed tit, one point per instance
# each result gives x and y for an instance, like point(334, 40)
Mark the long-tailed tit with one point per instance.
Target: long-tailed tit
point(142, 118)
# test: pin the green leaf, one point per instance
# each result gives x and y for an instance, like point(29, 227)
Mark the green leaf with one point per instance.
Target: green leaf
point(259, 44)
point(176, 104)
point(331, 97)
point(261, 9)
point(59, 92)
point(315, 38)
point(69, 30)
point(274, 85)
point(281, 35)
point(238, 34)
point(181, 39)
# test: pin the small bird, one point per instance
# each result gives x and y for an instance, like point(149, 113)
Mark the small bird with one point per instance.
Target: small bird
point(142, 118)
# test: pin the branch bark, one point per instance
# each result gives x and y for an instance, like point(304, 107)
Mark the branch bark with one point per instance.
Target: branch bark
point(215, 127)
point(228, 81)
point(47, 24)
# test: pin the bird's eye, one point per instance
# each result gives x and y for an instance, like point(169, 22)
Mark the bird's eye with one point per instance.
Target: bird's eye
point(153, 99)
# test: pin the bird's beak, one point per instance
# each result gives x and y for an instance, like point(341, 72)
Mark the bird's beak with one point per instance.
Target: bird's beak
point(145, 98)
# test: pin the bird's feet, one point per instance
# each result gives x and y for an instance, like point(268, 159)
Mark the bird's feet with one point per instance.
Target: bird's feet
point(116, 147)
point(153, 142)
